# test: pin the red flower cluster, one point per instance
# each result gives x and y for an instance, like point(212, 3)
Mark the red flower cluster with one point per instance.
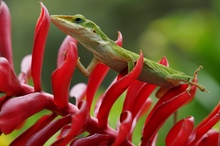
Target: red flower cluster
point(19, 101)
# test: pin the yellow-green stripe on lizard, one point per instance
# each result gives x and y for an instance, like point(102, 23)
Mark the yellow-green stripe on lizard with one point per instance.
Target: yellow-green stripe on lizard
point(108, 52)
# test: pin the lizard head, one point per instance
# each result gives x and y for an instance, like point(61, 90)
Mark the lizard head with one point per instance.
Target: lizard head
point(80, 28)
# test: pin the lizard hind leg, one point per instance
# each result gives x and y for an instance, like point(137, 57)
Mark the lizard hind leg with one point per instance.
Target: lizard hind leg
point(191, 82)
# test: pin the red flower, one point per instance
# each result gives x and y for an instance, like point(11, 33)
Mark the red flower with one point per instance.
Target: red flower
point(20, 100)
point(5, 33)
point(184, 133)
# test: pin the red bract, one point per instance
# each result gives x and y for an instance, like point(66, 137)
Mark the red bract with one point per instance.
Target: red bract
point(40, 36)
point(11, 115)
point(49, 130)
point(94, 82)
point(76, 124)
point(95, 139)
point(64, 48)
point(9, 84)
point(124, 128)
point(203, 128)
point(62, 76)
point(180, 132)
point(5, 33)
point(183, 132)
point(79, 121)
point(40, 124)
point(166, 106)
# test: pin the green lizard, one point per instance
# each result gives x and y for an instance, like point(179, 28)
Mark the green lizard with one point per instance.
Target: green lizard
point(108, 52)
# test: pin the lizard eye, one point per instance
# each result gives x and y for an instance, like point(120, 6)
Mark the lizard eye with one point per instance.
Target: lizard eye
point(78, 20)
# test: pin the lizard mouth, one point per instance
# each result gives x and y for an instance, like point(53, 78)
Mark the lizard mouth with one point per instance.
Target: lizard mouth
point(63, 22)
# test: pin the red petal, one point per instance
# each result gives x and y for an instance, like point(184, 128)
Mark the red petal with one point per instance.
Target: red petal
point(5, 33)
point(142, 97)
point(95, 139)
point(138, 93)
point(180, 132)
point(164, 61)
point(120, 39)
point(125, 128)
point(211, 138)
point(16, 110)
point(40, 36)
point(167, 105)
point(44, 134)
point(131, 95)
point(62, 76)
point(42, 122)
point(63, 48)
point(145, 108)
point(116, 90)
point(78, 122)
point(9, 84)
point(206, 124)
point(215, 112)
point(95, 79)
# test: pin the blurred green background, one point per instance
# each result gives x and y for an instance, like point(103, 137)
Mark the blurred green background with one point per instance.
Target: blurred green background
point(186, 32)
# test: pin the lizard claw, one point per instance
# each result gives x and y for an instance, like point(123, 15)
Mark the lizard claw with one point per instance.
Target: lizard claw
point(188, 89)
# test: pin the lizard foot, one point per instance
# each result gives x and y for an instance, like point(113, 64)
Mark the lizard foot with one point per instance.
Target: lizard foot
point(201, 88)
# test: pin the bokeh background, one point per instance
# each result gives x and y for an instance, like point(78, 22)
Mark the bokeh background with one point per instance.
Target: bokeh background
point(186, 32)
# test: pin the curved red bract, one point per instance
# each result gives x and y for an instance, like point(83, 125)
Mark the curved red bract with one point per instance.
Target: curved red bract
point(9, 84)
point(62, 76)
point(5, 33)
point(180, 132)
point(11, 115)
point(40, 35)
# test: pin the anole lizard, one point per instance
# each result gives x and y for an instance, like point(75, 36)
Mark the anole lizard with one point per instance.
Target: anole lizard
point(108, 52)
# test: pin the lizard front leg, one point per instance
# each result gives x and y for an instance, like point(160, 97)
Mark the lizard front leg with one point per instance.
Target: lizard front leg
point(87, 71)
point(125, 56)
